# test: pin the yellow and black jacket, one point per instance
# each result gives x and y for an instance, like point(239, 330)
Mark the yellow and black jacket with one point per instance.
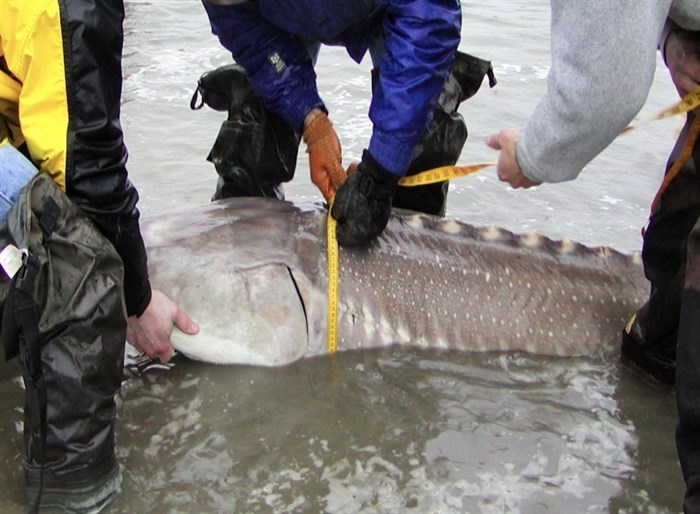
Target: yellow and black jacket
point(60, 91)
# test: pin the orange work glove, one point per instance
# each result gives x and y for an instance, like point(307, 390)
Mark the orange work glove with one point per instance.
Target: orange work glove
point(325, 159)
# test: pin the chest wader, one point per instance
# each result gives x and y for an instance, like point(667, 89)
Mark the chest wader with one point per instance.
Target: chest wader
point(649, 342)
point(64, 316)
point(688, 372)
point(442, 143)
point(256, 150)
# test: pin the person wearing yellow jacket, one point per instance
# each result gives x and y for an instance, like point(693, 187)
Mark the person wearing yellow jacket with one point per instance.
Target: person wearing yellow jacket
point(79, 284)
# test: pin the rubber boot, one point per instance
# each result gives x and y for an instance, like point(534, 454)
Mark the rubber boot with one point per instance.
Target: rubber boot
point(256, 150)
point(650, 359)
point(69, 324)
point(71, 463)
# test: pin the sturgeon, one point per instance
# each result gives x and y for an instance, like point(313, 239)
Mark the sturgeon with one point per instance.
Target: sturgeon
point(253, 273)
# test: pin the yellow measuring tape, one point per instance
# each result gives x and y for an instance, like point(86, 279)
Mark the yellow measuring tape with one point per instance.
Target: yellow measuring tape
point(687, 103)
point(332, 256)
point(441, 174)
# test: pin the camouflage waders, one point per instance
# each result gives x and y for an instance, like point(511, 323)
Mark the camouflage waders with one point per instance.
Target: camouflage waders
point(64, 316)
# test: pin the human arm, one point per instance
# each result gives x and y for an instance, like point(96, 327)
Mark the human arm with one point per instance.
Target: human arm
point(281, 72)
point(277, 62)
point(150, 333)
point(69, 115)
point(69, 112)
point(420, 38)
point(603, 61)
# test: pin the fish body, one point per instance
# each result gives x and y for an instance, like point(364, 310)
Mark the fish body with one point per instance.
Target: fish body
point(254, 274)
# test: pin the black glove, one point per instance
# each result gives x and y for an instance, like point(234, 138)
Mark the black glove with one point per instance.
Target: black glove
point(362, 204)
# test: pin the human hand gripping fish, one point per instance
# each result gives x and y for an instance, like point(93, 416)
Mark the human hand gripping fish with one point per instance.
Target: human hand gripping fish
point(150, 333)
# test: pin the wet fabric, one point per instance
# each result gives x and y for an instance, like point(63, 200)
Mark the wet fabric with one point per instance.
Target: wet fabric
point(667, 327)
point(268, 38)
point(61, 82)
point(687, 200)
point(444, 139)
point(255, 150)
point(666, 259)
point(65, 315)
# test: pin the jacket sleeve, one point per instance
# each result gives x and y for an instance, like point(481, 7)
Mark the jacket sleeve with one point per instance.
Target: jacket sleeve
point(278, 63)
point(69, 113)
point(421, 38)
point(96, 175)
point(603, 62)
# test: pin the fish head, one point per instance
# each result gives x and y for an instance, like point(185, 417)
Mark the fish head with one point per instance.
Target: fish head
point(235, 269)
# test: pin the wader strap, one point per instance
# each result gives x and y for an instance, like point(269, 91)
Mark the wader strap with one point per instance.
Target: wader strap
point(10, 329)
point(26, 316)
point(28, 322)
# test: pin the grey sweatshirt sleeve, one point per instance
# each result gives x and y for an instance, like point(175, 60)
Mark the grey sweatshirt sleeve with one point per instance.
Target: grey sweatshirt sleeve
point(603, 62)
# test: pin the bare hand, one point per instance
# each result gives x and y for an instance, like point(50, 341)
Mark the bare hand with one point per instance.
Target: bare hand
point(507, 168)
point(150, 333)
point(682, 53)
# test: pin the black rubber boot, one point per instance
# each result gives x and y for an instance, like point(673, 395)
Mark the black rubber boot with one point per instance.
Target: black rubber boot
point(654, 362)
point(70, 460)
point(688, 397)
point(688, 375)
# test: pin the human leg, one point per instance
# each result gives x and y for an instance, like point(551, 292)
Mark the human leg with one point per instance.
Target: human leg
point(255, 150)
point(65, 314)
point(688, 377)
point(649, 341)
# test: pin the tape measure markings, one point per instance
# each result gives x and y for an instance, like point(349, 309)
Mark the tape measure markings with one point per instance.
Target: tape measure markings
point(442, 173)
point(332, 256)
point(687, 103)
